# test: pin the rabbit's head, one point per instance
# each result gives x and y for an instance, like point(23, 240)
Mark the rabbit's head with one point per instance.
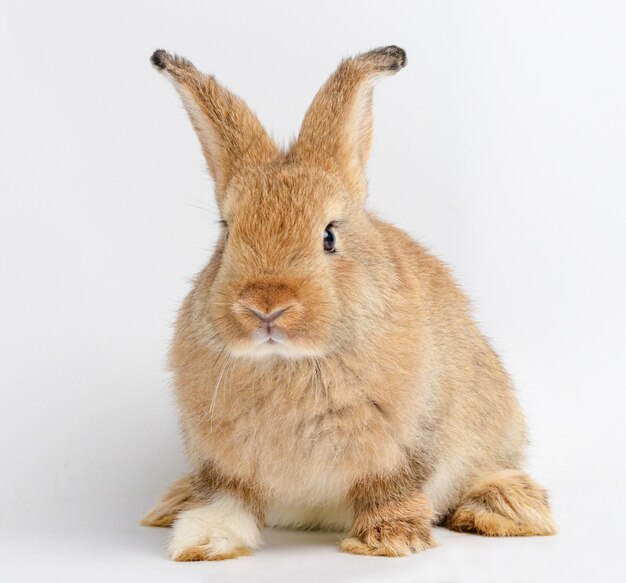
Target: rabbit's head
point(290, 273)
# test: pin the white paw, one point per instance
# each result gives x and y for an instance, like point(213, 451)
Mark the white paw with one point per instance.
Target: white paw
point(215, 546)
point(223, 529)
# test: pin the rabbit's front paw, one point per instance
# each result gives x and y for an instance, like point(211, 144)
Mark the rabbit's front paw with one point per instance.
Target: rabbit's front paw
point(216, 547)
point(396, 538)
point(223, 529)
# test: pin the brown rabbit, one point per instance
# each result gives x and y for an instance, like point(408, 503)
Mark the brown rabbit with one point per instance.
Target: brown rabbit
point(327, 368)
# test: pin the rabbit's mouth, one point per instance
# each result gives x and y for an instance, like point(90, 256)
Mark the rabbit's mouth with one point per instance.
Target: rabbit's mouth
point(265, 342)
point(270, 335)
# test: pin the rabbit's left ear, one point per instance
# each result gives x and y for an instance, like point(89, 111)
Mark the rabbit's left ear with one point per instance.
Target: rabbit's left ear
point(336, 133)
point(231, 136)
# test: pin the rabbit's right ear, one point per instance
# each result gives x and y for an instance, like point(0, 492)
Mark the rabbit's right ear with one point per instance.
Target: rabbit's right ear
point(231, 136)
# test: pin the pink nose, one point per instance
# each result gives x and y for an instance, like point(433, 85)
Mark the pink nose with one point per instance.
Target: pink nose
point(268, 319)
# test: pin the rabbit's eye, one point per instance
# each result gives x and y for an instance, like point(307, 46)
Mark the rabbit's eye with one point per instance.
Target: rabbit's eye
point(329, 239)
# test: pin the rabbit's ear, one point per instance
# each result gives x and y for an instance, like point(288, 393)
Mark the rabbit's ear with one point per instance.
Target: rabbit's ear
point(336, 133)
point(231, 136)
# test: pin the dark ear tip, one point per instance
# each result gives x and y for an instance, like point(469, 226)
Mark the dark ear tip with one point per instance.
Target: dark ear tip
point(391, 58)
point(395, 56)
point(159, 59)
point(398, 54)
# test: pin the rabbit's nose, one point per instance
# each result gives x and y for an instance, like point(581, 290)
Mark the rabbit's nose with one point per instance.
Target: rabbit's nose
point(268, 319)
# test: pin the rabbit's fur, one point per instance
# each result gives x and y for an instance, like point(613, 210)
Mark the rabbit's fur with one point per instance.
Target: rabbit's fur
point(372, 403)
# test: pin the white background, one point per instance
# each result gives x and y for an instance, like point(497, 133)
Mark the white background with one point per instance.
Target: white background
point(502, 146)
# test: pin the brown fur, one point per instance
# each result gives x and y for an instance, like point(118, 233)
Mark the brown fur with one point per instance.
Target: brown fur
point(392, 516)
point(382, 408)
point(506, 503)
point(179, 497)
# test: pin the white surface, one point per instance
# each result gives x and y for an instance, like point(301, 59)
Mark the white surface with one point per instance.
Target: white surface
point(502, 146)
point(135, 554)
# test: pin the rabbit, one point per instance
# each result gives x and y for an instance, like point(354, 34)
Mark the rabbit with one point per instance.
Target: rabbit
point(327, 369)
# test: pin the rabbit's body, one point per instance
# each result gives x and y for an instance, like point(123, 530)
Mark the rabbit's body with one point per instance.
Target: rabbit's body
point(365, 398)
point(306, 429)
